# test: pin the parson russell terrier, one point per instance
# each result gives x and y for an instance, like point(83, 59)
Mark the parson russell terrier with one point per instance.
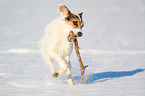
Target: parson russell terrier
point(56, 43)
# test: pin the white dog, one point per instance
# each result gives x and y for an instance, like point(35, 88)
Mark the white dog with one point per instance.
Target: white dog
point(56, 45)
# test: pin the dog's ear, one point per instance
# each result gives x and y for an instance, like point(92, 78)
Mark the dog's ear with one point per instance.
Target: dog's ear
point(80, 14)
point(64, 10)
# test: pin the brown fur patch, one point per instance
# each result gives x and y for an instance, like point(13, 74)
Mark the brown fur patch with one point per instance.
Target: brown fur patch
point(73, 20)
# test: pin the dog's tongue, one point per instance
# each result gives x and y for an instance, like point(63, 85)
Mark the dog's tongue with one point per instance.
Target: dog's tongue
point(69, 38)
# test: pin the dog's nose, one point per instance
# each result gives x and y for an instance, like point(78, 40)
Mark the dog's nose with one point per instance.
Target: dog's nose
point(80, 34)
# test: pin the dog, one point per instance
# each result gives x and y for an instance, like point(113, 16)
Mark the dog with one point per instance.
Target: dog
point(56, 44)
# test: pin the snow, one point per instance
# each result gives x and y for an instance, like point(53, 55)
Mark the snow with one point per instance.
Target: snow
point(113, 45)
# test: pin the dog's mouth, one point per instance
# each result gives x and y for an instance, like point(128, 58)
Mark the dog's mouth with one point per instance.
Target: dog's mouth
point(70, 38)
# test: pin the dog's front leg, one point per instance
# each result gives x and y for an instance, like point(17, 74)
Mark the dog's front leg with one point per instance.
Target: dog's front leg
point(68, 72)
point(61, 62)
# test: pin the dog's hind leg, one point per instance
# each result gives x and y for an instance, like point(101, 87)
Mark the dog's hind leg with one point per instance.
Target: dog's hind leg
point(68, 72)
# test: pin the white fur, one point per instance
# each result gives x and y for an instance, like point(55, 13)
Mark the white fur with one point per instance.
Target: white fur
point(55, 46)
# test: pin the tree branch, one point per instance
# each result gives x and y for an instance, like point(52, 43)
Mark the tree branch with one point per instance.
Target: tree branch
point(71, 34)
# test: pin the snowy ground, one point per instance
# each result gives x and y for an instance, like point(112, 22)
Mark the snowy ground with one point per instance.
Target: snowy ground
point(113, 46)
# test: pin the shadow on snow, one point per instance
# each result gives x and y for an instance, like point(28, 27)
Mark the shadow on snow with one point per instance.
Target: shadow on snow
point(104, 76)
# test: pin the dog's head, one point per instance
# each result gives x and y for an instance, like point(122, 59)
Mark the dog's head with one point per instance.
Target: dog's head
point(73, 20)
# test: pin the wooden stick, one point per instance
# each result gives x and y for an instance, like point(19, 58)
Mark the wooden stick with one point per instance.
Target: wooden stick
point(71, 34)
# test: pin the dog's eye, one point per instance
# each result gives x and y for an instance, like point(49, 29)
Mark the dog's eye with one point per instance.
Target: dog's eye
point(75, 23)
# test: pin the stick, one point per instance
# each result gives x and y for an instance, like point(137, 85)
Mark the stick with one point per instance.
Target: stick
point(71, 34)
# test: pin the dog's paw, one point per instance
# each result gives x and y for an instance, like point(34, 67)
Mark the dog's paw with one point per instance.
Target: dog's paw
point(55, 74)
point(70, 82)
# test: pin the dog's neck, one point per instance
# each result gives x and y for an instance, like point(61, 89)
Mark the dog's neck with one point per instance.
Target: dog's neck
point(67, 28)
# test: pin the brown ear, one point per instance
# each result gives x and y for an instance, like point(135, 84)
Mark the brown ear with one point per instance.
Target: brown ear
point(64, 10)
point(80, 14)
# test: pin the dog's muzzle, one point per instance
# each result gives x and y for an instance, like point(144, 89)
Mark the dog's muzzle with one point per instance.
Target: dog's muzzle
point(70, 39)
